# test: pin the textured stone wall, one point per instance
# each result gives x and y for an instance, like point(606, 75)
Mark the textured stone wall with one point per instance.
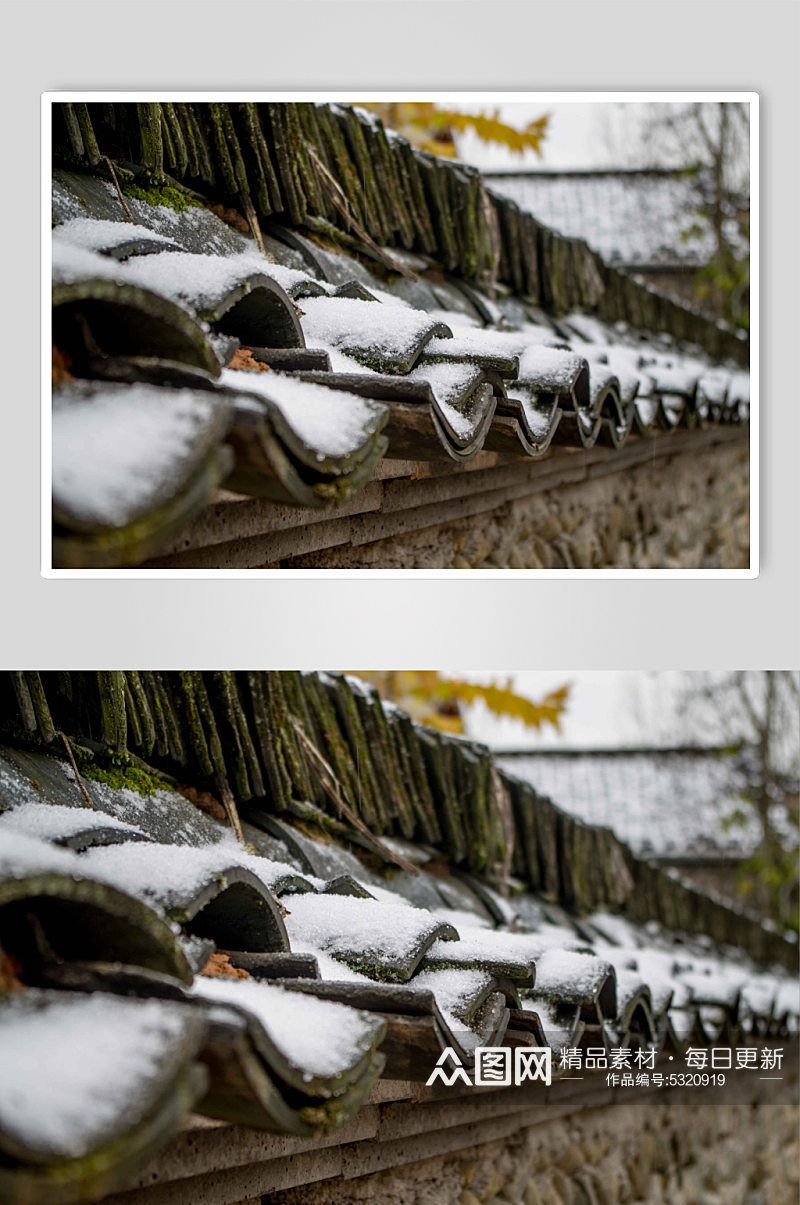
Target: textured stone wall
point(679, 1154)
point(688, 511)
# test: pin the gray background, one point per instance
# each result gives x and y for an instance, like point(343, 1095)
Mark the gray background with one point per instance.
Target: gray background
point(355, 622)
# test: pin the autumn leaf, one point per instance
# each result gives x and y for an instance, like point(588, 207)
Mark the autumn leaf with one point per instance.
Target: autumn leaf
point(431, 128)
point(491, 129)
point(429, 698)
point(502, 701)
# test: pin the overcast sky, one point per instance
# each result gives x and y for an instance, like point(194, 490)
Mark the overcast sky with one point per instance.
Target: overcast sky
point(605, 708)
point(578, 135)
point(618, 708)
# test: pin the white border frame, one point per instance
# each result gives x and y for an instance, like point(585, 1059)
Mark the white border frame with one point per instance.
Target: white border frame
point(356, 96)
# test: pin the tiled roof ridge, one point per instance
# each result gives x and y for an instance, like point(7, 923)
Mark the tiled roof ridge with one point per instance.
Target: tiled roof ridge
point(335, 169)
point(255, 731)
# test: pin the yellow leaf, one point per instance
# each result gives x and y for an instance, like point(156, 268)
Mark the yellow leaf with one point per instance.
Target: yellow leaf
point(490, 129)
point(444, 723)
point(431, 128)
point(432, 699)
point(502, 701)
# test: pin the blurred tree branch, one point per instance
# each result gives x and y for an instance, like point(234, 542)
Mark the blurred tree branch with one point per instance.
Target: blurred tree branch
point(756, 714)
point(711, 142)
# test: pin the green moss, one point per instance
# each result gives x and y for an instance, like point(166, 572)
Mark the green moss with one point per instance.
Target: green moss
point(383, 972)
point(63, 157)
point(376, 363)
point(14, 733)
point(160, 194)
point(122, 777)
point(114, 769)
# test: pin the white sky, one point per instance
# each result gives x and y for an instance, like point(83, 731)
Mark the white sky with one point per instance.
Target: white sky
point(598, 134)
point(605, 708)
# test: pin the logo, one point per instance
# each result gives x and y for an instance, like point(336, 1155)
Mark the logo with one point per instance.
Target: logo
point(458, 1069)
point(495, 1066)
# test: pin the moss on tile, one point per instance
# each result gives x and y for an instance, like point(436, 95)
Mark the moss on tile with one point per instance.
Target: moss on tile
point(120, 778)
point(160, 194)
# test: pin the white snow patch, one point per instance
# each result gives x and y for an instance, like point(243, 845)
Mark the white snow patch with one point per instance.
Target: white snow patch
point(330, 421)
point(341, 924)
point(454, 990)
point(74, 1069)
point(549, 368)
point(195, 279)
point(452, 384)
point(449, 317)
point(471, 342)
point(365, 326)
point(117, 454)
point(22, 854)
point(318, 1037)
point(52, 822)
point(171, 874)
point(559, 972)
point(98, 235)
point(72, 263)
point(482, 945)
point(462, 920)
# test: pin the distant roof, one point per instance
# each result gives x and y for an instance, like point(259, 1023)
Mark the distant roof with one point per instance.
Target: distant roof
point(631, 218)
point(666, 802)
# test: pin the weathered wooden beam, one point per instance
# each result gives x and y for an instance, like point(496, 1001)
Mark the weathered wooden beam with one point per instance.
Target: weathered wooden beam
point(259, 550)
point(217, 1148)
point(239, 1183)
point(244, 517)
point(404, 1120)
point(364, 529)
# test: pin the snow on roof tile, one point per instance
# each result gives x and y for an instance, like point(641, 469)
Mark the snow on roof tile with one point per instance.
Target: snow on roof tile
point(318, 1037)
point(172, 875)
point(389, 939)
point(332, 423)
point(79, 1071)
point(227, 282)
point(62, 825)
point(122, 451)
point(570, 975)
point(388, 338)
point(629, 217)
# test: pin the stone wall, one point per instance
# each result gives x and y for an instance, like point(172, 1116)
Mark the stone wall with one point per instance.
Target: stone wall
point(688, 511)
point(661, 1154)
